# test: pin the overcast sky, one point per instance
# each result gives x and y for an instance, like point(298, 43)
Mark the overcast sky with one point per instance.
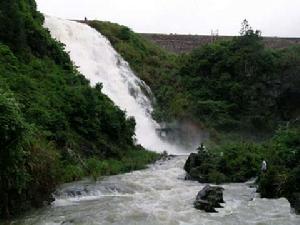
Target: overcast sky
point(272, 17)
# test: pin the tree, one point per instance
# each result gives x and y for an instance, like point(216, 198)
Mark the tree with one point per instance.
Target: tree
point(12, 30)
point(13, 132)
point(246, 29)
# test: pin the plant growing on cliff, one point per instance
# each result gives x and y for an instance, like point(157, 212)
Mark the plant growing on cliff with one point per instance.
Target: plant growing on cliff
point(14, 132)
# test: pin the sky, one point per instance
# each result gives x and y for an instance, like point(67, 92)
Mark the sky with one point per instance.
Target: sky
point(279, 18)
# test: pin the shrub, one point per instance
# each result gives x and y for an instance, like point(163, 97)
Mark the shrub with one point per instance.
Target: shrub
point(72, 173)
point(97, 168)
point(216, 177)
point(14, 132)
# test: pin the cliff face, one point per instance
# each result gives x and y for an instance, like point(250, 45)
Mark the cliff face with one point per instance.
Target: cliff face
point(186, 43)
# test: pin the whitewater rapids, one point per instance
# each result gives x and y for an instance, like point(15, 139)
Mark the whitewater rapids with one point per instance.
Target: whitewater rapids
point(97, 60)
point(158, 195)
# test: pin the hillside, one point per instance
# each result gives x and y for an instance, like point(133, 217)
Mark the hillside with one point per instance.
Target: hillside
point(54, 127)
point(231, 84)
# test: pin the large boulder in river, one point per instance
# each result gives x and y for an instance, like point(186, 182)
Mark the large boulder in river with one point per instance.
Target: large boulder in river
point(209, 198)
point(192, 161)
point(198, 166)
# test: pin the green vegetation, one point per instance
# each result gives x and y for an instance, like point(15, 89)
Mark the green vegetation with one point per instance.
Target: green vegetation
point(241, 84)
point(152, 64)
point(228, 162)
point(282, 179)
point(54, 127)
point(236, 84)
point(239, 161)
point(96, 167)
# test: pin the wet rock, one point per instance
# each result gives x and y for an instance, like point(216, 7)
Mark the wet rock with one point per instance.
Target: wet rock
point(295, 202)
point(192, 161)
point(209, 198)
point(69, 222)
point(73, 192)
point(196, 167)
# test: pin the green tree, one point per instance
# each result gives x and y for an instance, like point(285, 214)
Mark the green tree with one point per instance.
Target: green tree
point(13, 135)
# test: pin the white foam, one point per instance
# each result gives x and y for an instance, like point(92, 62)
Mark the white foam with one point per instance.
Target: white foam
point(160, 196)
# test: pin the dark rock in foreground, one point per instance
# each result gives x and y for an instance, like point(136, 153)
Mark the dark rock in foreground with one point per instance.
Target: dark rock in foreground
point(295, 202)
point(209, 198)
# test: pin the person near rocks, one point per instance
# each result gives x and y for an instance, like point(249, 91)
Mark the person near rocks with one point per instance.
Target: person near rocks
point(264, 166)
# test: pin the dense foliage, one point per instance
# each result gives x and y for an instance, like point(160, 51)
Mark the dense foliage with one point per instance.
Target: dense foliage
point(228, 162)
point(240, 82)
point(238, 161)
point(282, 177)
point(231, 84)
point(53, 124)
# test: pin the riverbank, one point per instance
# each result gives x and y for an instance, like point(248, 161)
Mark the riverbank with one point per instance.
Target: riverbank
point(94, 169)
point(135, 159)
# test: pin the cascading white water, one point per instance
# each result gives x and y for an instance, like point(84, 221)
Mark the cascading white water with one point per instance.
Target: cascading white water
point(100, 63)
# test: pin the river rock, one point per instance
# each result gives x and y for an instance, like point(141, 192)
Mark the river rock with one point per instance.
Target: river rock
point(209, 198)
point(191, 162)
point(195, 166)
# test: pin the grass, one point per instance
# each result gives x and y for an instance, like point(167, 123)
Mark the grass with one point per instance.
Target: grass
point(96, 167)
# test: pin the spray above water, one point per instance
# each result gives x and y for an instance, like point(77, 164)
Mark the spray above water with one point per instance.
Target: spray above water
point(97, 60)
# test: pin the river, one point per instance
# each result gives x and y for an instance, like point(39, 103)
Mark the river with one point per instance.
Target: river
point(158, 195)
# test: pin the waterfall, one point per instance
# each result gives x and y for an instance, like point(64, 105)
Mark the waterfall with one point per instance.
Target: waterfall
point(97, 60)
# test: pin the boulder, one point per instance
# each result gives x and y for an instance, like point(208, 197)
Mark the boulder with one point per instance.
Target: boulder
point(191, 162)
point(197, 166)
point(209, 198)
